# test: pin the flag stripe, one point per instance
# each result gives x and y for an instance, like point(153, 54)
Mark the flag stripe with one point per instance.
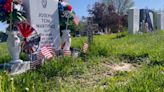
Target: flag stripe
point(76, 20)
point(46, 53)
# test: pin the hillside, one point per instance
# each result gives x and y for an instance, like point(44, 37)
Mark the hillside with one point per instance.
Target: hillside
point(116, 63)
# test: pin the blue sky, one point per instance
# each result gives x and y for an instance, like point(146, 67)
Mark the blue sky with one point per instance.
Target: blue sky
point(80, 6)
point(152, 4)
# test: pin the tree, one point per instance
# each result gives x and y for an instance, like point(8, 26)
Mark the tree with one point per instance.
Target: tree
point(121, 6)
point(97, 12)
point(106, 17)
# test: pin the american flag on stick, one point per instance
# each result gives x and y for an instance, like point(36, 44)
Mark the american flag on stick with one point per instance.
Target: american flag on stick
point(67, 53)
point(47, 52)
point(38, 61)
point(76, 20)
point(85, 47)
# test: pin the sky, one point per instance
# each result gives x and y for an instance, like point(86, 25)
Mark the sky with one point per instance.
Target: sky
point(80, 6)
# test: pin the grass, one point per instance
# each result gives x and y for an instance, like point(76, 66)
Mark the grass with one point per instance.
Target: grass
point(68, 74)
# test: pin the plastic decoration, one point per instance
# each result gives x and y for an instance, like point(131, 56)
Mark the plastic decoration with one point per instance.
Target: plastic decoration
point(66, 21)
point(69, 8)
point(31, 40)
point(2, 2)
point(8, 6)
point(25, 29)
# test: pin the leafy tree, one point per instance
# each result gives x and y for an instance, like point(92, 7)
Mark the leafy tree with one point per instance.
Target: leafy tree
point(121, 6)
point(97, 12)
point(107, 18)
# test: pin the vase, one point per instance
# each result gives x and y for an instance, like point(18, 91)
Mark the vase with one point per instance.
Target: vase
point(66, 42)
point(14, 47)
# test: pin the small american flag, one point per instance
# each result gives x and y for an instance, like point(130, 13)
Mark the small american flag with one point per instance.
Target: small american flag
point(67, 53)
point(85, 47)
point(33, 64)
point(76, 20)
point(47, 52)
point(38, 61)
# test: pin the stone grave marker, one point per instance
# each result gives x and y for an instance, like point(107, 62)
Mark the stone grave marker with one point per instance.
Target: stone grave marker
point(160, 21)
point(133, 21)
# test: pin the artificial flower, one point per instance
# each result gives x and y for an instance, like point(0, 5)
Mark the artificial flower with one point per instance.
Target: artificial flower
point(25, 29)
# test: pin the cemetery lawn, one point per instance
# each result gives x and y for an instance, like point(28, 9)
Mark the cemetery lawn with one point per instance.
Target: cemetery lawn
point(116, 63)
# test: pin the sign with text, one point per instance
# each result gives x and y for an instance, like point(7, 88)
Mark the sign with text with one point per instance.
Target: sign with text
point(43, 17)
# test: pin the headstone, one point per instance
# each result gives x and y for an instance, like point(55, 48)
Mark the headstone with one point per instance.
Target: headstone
point(152, 18)
point(160, 21)
point(133, 21)
point(43, 16)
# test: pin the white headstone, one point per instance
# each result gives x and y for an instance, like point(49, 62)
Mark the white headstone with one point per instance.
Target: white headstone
point(43, 16)
point(152, 18)
point(133, 21)
point(160, 21)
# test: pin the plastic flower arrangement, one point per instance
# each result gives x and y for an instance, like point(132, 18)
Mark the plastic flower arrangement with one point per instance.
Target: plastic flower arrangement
point(65, 11)
point(11, 12)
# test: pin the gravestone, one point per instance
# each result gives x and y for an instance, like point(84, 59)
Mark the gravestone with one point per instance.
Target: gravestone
point(133, 21)
point(160, 21)
point(152, 18)
point(44, 18)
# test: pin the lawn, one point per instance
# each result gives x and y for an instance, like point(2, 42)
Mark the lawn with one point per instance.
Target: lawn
point(115, 63)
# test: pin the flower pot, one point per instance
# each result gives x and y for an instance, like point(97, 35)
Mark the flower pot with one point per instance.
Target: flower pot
point(14, 48)
point(66, 40)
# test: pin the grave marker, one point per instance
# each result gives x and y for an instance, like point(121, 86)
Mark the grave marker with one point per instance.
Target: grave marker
point(43, 16)
point(160, 21)
point(133, 21)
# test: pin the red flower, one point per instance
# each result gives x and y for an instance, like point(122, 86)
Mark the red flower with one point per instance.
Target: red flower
point(69, 8)
point(8, 6)
point(25, 29)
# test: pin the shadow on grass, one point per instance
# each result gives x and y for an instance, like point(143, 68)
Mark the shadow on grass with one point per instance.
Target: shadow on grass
point(119, 36)
point(134, 59)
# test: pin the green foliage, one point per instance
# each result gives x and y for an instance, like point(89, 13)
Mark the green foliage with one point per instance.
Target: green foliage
point(148, 45)
point(144, 80)
point(63, 67)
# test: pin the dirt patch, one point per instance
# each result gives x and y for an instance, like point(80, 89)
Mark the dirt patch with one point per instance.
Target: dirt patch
point(121, 67)
point(98, 73)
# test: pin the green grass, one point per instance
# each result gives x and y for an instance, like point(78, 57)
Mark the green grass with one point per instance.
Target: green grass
point(75, 75)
